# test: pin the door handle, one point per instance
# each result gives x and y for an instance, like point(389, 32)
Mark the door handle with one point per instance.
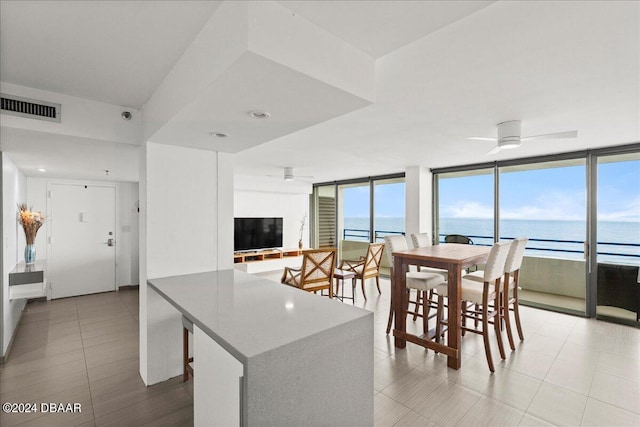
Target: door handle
point(110, 242)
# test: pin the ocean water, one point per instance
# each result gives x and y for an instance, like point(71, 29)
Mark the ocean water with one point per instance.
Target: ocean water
point(573, 232)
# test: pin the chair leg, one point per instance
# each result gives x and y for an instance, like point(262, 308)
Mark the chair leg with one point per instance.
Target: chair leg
point(516, 313)
point(390, 313)
point(378, 284)
point(507, 320)
point(463, 310)
point(496, 325)
point(485, 337)
point(439, 318)
point(363, 292)
point(425, 312)
point(185, 355)
point(417, 304)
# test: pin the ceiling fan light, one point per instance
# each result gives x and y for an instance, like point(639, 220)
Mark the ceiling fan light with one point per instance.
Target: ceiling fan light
point(288, 177)
point(509, 142)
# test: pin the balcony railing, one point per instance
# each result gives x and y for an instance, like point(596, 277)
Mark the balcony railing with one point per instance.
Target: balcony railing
point(540, 245)
point(364, 235)
point(569, 245)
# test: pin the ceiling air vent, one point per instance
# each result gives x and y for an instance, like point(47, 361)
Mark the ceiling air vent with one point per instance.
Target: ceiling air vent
point(30, 108)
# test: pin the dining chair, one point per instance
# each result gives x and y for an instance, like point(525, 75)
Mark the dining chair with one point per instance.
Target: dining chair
point(367, 267)
point(422, 282)
point(316, 272)
point(511, 280)
point(187, 328)
point(458, 238)
point(481, 296)
point(423, 240)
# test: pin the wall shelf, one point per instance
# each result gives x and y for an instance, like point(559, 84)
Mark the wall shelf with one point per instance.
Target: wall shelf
point(28, 281)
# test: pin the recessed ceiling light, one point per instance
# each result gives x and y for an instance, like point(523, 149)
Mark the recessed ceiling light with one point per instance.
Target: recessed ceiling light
point(219, 134)
point(258, 114)
point(41, 170)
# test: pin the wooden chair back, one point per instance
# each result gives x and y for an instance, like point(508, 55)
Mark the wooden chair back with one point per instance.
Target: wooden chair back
point(372, 260)
point(318, 266)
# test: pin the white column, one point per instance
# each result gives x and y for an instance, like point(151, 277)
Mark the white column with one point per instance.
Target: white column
point(418, 193)
point(186, 226)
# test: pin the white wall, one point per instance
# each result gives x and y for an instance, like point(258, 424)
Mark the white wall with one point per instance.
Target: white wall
point(291, 207)
point(126, 219)
point(13, 193)
point(186, 226)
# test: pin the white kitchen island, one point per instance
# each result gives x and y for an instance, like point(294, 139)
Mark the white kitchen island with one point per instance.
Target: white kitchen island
point(269, 354)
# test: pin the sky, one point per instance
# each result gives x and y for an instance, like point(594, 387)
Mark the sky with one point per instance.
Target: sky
point(543, 194)
point(546, 194)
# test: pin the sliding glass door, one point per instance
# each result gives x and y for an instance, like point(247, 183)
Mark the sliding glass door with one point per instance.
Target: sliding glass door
point(388, 208)
point(351, 214)
point(546, 202)
point(466, 205)
point(618, 238)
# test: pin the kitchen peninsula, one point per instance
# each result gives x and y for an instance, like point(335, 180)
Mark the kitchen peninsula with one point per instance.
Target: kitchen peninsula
point(269, 354)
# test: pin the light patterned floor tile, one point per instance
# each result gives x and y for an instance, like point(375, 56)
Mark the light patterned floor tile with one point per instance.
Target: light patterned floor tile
point(616, 391)
point(599, 414)
point(490, 412)
point(558, 405)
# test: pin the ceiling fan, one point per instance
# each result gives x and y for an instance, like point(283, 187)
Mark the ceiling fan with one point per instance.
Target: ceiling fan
point(510, 136)
point(290, 176)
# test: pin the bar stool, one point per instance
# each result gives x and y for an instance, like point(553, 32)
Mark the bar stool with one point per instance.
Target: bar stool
point(422, 282)
point(511, 281)
point(187, 328)
point(485, 298)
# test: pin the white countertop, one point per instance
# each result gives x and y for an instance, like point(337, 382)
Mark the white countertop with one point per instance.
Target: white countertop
point(248, 315)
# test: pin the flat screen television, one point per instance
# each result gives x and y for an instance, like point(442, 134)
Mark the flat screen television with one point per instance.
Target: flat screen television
point(257, 233)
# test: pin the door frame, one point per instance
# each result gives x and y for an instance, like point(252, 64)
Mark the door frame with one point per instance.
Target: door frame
point(592, 220)
point(49, 184)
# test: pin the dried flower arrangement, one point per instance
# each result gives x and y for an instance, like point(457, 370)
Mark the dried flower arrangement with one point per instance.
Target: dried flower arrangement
point(30, 221)
point(302, 223)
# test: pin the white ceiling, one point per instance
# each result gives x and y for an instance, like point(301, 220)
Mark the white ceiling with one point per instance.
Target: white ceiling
point(444, 71)
point(380, 27)
point(116, 52)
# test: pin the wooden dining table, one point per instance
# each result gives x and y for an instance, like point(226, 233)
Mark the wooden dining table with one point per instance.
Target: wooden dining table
point(453, 257)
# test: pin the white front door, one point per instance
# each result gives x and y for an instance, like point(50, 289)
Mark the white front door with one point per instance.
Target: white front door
point(83, 252)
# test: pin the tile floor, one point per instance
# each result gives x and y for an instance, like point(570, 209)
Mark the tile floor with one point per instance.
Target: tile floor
point(568, 371)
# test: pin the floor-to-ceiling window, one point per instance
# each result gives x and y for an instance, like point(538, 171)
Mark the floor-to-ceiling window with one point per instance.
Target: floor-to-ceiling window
point(354, 211)
point(466, 205)
point(618, 237)
point(388, 208)
point(358, 212)
point(583, 254)
point(546, 202)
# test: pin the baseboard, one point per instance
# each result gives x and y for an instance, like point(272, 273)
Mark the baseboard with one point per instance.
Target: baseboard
point(5, 357)
point(128, 287)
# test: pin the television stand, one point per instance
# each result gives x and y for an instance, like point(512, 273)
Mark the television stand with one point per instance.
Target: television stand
point(265, 254)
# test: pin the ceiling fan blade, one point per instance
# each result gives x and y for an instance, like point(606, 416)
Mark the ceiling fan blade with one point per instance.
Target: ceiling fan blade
point(480, 138)
point(557, 135)
point(494, 151)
